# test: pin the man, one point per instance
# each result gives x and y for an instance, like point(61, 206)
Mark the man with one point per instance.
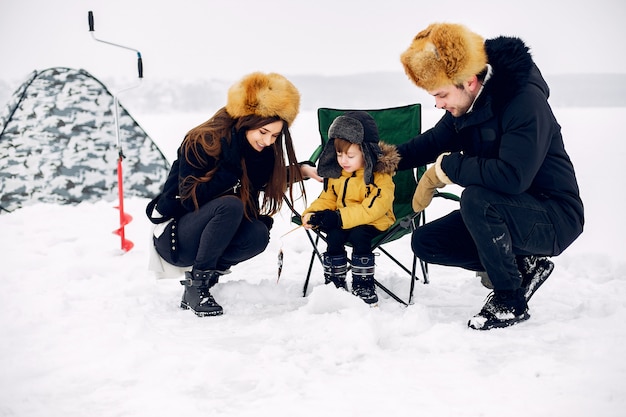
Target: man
point(500, 141)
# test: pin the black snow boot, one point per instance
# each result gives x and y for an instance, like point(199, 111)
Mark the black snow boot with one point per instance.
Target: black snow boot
point(503, 308)
point(197, 296)
point(363, 285)
point(335, 269)
point(535, 271)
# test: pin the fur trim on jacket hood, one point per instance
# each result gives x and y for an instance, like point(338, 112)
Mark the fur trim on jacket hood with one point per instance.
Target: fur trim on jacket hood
point(513, 69)
point(388, 161)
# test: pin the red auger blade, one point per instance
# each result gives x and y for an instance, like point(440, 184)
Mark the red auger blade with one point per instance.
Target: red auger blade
point(125, 218)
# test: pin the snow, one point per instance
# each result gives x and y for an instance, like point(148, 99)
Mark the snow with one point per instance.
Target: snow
point(87, 330)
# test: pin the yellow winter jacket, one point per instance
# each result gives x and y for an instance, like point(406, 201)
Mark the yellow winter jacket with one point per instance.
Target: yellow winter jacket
point(358, 204)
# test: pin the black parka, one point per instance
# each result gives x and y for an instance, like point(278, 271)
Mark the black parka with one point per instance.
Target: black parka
point(259, 169)
point(510, 142)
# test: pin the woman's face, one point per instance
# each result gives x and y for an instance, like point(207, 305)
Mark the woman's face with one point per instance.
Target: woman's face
point(265, 135)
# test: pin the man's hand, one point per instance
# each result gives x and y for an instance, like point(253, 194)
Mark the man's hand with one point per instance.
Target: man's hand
point(426, 189)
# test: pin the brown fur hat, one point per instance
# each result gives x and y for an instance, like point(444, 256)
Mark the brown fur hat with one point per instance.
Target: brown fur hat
point(444, 54)
point(264, 95)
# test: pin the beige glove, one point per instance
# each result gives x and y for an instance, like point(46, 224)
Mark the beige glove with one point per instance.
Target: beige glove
point(426, 189)
point(440, 174)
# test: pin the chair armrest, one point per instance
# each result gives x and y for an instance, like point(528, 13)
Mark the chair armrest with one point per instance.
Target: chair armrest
point(447, 196)
point(316, 154)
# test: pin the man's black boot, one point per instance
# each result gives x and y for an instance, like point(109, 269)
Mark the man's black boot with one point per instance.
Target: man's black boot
point(535, 271)
point(503, 308)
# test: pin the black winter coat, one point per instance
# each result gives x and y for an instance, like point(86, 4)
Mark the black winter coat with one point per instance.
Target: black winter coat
point(510, 142)
point(259, 166)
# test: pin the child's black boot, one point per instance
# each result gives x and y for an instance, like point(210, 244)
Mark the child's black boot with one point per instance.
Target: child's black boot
point(363, 285)
point(335, 269)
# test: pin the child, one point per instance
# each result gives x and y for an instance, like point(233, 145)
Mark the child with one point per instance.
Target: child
point(356, 204)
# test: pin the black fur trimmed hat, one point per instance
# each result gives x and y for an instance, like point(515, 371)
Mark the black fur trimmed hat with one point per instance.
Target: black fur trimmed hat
point(356, 127)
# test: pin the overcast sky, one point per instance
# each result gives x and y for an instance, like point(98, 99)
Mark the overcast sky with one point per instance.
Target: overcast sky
point(192, 39)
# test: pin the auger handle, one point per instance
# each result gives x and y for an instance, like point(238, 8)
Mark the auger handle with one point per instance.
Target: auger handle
point(139, 65)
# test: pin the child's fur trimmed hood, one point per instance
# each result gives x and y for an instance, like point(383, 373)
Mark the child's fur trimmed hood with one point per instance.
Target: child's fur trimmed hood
point(389, 160)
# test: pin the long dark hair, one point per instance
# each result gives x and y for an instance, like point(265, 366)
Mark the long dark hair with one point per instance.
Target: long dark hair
point(207, 136)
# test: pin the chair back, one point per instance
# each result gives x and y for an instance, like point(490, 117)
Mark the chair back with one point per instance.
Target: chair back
point(396, 125)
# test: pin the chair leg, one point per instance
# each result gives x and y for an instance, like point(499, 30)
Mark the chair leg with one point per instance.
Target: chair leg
point(421, 221)
point(308, 274)
point(313, 254)
point(413, 278)
point(424, 267)
point(389, 292)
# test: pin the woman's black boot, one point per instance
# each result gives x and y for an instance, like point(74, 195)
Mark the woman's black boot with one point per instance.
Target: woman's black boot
point(197, 296)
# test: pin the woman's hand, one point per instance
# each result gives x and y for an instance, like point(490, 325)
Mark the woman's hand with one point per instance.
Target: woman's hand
point(310, 171)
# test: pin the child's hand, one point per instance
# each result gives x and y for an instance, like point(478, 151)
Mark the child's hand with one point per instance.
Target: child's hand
point(326, 219)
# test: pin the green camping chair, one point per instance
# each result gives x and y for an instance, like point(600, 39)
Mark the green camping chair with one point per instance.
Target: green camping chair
point(395, 126)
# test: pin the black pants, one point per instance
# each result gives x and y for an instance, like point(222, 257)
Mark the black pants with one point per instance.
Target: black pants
point(487, 233)
point(217, 236)
point(360, 237)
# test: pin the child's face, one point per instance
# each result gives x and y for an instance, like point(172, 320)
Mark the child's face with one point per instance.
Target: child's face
point(352, 159)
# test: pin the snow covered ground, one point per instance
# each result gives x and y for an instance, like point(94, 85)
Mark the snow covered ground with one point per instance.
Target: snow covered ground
point(88, 331)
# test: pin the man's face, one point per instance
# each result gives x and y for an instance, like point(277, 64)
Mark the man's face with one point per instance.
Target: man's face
point(456, 100)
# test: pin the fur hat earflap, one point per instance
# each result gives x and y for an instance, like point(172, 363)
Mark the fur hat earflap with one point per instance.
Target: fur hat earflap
point(265, 95)
point(357, 127)
point(444, 54)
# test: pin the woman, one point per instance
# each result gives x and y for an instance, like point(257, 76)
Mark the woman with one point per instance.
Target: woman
point(228, 180)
